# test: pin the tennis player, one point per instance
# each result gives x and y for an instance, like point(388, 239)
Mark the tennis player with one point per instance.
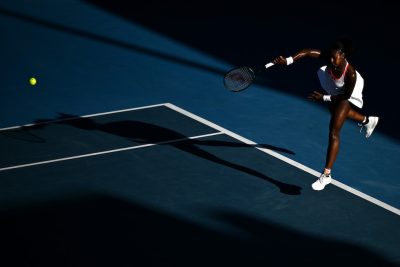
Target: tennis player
point(343, 87)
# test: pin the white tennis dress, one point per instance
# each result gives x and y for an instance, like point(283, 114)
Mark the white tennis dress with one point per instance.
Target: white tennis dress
point(335, 86)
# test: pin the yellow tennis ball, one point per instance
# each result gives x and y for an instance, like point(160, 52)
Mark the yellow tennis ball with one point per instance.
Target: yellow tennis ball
point(32, 81)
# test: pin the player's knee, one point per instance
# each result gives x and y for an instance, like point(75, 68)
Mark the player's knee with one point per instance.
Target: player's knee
point(334, 135)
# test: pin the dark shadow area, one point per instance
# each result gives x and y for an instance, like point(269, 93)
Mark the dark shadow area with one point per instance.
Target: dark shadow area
point(23, 134)
point(254, 32)
point(100, 230)
point(63, 118)
point(145, 133)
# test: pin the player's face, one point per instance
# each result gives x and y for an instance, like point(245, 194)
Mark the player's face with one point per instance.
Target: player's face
point(336, 57)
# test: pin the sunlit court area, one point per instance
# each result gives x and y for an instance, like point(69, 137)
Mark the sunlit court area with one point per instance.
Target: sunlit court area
point(121, 143)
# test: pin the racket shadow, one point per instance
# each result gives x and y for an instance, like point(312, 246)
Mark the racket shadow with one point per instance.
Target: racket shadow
point(146, 133)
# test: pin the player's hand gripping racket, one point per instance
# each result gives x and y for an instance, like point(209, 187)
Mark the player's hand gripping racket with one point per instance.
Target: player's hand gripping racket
point(238, 79)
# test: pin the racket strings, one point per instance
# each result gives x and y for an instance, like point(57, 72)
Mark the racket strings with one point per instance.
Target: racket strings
point(239, 79)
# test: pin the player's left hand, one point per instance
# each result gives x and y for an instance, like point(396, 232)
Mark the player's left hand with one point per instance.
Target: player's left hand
point(316, 96)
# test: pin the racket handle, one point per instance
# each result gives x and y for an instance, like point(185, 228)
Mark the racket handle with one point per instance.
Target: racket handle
point(269, 65)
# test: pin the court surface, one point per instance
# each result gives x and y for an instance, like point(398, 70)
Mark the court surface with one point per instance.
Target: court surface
point(129, 149)
point(159, 185)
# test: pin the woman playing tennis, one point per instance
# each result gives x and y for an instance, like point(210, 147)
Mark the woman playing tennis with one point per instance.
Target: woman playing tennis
point(343, 87)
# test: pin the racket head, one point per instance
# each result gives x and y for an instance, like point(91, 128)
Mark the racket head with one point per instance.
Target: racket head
point(238, 79)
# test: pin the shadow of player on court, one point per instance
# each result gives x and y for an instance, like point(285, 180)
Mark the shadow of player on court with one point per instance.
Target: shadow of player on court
point(145, 133)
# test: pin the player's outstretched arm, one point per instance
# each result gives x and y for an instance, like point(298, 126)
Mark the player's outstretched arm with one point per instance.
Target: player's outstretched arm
point(314, 53)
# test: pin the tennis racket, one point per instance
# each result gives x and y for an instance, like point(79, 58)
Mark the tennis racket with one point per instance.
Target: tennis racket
point(240, 78)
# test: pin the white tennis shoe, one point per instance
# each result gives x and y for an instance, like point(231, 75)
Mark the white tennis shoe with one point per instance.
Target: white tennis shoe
point(322, 181)
point(370, 126)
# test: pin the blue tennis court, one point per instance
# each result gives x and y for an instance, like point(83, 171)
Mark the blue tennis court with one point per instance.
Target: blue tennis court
point(161, 185)
point(130, 151)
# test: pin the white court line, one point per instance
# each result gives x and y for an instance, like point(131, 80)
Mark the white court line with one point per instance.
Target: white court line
point(285, 159)
point(106, 152)
point(85, 116)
